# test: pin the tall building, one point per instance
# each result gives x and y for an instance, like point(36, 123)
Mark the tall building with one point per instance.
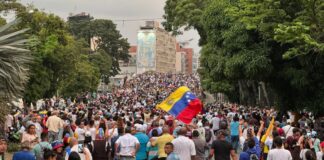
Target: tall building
point(185, 57)
point(156, 49)
point(195, 62)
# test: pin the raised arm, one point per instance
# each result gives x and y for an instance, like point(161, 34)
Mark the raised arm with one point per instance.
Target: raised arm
point(260, 129)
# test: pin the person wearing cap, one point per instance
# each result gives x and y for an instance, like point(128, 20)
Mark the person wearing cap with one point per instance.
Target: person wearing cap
point(143, 140)
point(222, 149)
point(25, 153)
point(3, 147)
point(288, 129)
point(37, 149)
point(57, 147)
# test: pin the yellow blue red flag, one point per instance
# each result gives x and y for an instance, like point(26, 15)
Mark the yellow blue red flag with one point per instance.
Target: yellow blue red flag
point(182, 104)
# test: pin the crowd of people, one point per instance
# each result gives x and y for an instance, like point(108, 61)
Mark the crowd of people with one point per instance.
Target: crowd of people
point(125, 125)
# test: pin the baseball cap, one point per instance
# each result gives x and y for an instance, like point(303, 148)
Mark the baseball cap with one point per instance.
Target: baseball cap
point(57, 144)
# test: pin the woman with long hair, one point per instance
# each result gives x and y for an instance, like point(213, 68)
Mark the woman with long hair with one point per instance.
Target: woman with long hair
point(30, 135)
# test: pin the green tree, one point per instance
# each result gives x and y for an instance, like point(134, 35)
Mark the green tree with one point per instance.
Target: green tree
point(275, 46)
point(108, 39)
point(58, 58)
point(14, 63)
point(185, 14)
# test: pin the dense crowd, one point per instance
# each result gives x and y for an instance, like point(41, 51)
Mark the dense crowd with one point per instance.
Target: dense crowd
point(124, 125)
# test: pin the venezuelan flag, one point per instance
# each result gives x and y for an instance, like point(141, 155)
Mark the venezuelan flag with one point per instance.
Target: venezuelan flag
point(182, 104)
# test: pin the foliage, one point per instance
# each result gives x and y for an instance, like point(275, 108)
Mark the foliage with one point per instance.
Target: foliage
point(59, 59)
point(14, 63)
point(108, 39)
point(273, 46)
point(187, 14)
point(102, 61)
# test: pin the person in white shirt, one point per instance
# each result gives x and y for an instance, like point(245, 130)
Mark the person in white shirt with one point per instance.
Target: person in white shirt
point(183, 146)
point(288, 129)
point(320, 154)
point(128, 144)
point(215, 121)
point(80, 131)
point(279, 153)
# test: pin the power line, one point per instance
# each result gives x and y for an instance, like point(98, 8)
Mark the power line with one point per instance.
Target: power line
point(128, 20)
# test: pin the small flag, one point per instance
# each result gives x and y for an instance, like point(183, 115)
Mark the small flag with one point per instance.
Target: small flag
point(182, 104)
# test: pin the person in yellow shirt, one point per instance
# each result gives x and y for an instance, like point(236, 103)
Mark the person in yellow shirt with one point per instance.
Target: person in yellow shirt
point(161, 141)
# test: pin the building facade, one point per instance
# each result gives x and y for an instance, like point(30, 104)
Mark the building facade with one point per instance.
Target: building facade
point(184, 60)
point(195, 62)
point(156, 49)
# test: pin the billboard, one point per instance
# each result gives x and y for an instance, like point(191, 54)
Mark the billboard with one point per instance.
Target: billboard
point(145, 58)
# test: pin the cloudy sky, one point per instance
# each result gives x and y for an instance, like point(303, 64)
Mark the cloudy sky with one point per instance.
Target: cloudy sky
point(116, 10)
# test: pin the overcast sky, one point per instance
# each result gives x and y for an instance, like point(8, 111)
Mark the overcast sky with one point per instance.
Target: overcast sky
point(115, 10)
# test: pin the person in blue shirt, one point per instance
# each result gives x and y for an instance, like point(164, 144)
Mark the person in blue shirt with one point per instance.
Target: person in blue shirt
point(25, 153)
point(143, 140)
point(235, 132)
point(253, 152)
point(168, 148)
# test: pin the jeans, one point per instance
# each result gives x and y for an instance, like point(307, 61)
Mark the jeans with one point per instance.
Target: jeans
point(52, 136)
point(235, 142)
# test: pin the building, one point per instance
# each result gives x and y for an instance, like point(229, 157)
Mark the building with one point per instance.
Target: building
point(179, 60)
point(195, 62)
point(185, 57)
point(156, 49)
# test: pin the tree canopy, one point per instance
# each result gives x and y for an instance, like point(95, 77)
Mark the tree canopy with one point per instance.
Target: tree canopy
point(270, 48)
point(107, 38)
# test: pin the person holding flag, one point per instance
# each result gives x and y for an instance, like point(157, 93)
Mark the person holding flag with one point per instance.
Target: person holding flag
point(182, 104)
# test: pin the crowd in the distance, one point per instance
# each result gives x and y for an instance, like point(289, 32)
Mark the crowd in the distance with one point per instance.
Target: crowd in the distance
point(124, 125)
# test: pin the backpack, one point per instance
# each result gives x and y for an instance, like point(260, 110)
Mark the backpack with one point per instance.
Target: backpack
point(208, 135)
point(253, 157)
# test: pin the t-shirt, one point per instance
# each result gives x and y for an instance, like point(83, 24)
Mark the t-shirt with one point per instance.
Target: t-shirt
point(127, 144)
point(319, 155)
point(215, 122)
point(173, 156)
point(279, 154)
point(288, 129)
point(222, 150)
point(235, 128)
point(152, 150)
point(80, 133)
point(160, 142)
point(143, 139)
point(184, 147)
point(25, 155)
point(42, 145)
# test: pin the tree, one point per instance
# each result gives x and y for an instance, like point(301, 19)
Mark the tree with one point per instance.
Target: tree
point(14, 60)
point(108, 39)
point(187, 14)
point(58, 58)
point(273, 47)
